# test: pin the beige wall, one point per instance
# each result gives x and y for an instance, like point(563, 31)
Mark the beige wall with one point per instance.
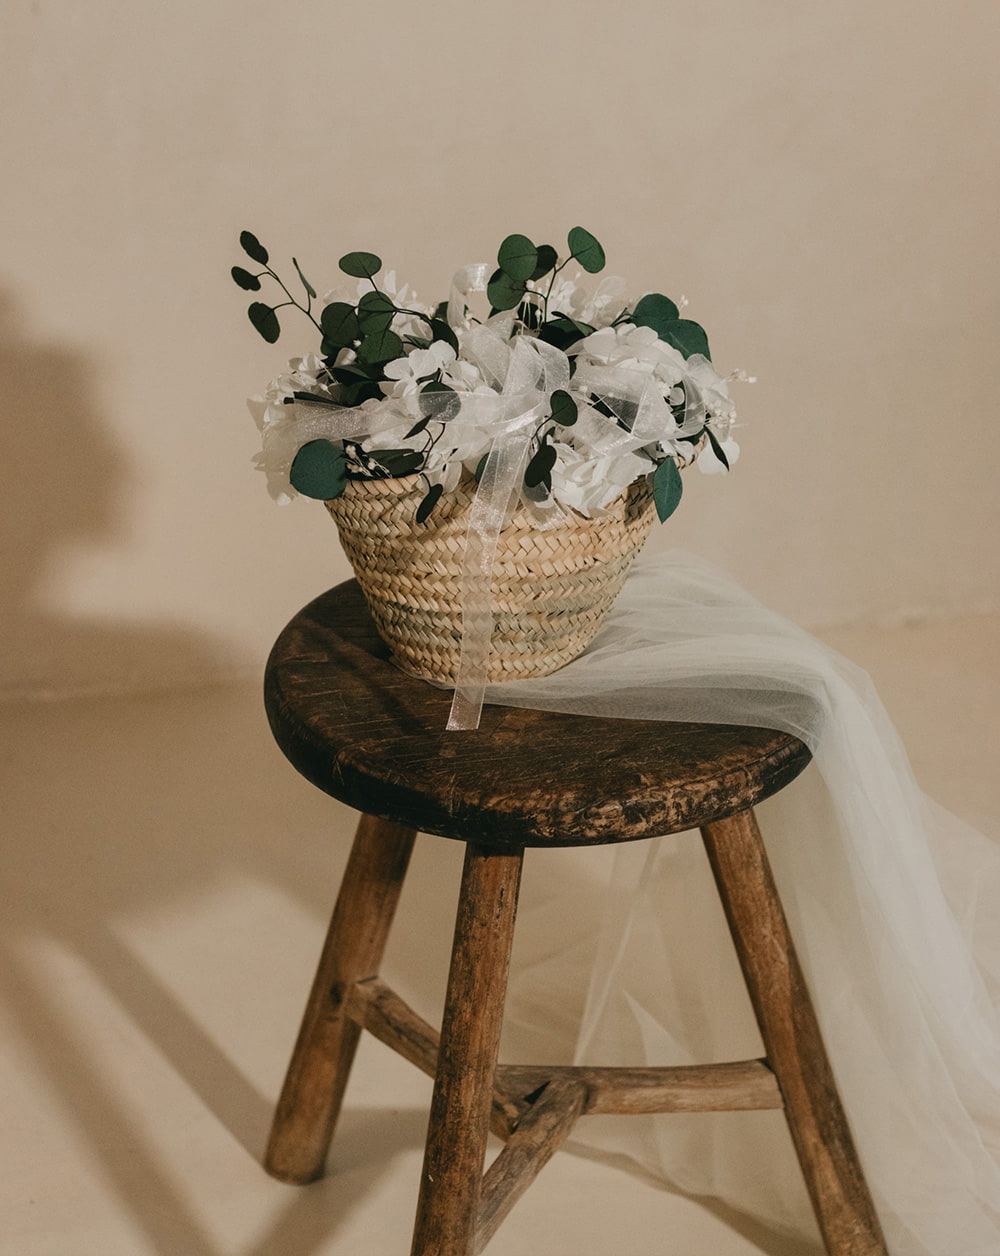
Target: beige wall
point(819, 179)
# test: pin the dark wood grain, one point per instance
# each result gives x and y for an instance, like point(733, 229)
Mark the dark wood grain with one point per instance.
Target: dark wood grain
point(321, 1062)
point(451, 1180)
point(738, 1086)
point(795, 1050)
point(361, 730)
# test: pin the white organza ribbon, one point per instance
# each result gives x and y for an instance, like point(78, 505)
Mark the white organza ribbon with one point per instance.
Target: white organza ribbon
point(532, 371)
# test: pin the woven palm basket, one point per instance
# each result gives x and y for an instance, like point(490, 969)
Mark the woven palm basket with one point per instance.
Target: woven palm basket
point(551, 588)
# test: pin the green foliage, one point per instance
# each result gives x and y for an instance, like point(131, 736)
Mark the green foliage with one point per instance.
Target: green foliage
point(539, 470)
point(564, 408)
point(717, 449)
point(656, 311)
point(429, 502)
point(547, 259)
point(563, 332)
point(360, 265)
point(586, 250)
point(375, 312)
point(503, 292)
point(688, 337)
point(310, 290)
point(434, 392)
point(518, 258)
point(253, 247)
point(319, 470)
point(380, 347)
point(440, 330)
point(248, 282)
point(398, 461)
point(667, 488)
point(265, 320)
point(340, 325)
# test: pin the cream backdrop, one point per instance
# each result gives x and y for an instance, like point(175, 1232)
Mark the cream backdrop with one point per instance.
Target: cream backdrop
point(820, 180)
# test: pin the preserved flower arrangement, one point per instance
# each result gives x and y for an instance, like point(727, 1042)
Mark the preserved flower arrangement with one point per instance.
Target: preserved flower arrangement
point(494, 462)
point(598, 392)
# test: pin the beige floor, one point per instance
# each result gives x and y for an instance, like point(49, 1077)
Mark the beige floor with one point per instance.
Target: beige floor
point(170, 878)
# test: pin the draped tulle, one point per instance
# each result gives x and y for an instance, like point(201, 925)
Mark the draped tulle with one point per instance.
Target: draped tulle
point(894, 905)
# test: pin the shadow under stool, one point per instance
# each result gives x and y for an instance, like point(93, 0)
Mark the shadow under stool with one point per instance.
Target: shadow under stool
point(365, 733)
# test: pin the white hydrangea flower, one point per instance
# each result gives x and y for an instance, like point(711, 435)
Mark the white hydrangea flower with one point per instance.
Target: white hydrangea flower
point(405, 374)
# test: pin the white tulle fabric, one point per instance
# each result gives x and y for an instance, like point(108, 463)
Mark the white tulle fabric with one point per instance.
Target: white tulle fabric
point(894, 905)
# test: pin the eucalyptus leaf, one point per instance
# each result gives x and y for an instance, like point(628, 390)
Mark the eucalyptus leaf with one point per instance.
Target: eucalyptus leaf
point(587, 251)
point(667, 488)
point(518, 258)
point(717, 449)
point(418, 427)
point(564, 408)
point(547, 258)
point(316, 399)
point(563, 332)
point(360, 265)
point(380, 346)
point(397, 461)
point(503, 292)
point(656, 311)
point(305, 282)
point(439, 401)
point(538, 470)
point(480, 467)
point(253, 247)
point(440, 330)
point(248, 282)
point(429, 502)
point(265, 320)
point(340, 324)
point(375, 312)
point(319, 470)
point(688, 337)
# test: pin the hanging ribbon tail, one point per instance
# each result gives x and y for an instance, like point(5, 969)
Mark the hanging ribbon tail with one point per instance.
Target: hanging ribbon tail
point(501, 475)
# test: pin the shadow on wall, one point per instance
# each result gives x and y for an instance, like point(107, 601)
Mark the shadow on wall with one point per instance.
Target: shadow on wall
point(63, 481)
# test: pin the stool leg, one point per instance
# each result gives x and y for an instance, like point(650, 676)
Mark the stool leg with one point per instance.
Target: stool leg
point(795, 1050)
point(470, 1040)
point(321, 1061)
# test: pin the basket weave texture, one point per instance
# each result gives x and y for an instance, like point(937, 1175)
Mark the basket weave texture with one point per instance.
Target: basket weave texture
point(551, 588)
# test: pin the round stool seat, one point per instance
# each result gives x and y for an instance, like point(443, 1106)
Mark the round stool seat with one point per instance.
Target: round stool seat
point(369, 735)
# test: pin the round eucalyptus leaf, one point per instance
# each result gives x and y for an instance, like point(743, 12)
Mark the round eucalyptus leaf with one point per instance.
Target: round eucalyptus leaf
point(547, 258)
point(375, 312)
point(503, 292)
point(248, 282)
point(253, 247)
point(585, 248)
point(538, 470)
point(265, 320)
point(655, 310)
point(564, 408)
point(687, 336)
point(518, 258)
point(380, 346)
point(667, 488)
point(360, 265)
point(340, 324)
point(319, 470)
point(429, 502)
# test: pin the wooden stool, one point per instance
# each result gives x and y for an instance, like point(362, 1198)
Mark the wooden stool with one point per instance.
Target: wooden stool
point(365, 733)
